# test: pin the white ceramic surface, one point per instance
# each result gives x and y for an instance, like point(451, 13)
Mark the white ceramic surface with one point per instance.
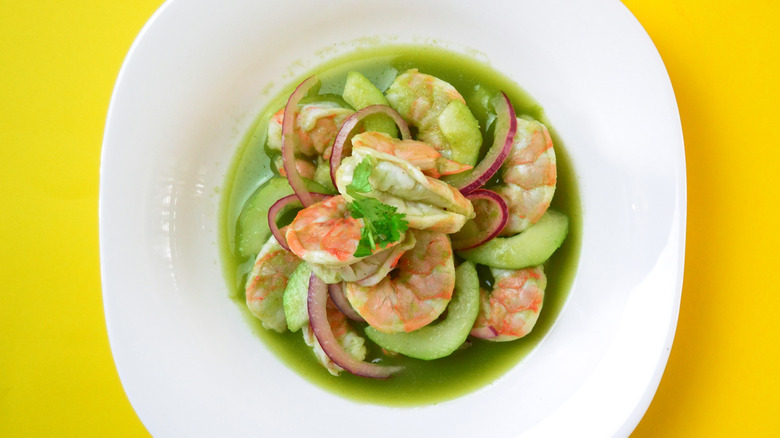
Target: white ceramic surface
point(190, 87)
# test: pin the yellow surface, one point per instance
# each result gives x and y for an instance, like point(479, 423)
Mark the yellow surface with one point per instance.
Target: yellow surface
point(58, 64)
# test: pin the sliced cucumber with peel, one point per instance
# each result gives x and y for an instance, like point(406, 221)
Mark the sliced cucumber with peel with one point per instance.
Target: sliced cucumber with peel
point(322, 177)
point(359, 92)
point(294, 300)
point(252, 229)
point(439, 339)
point(530, 248)
point(461, 130)
point(321, 183)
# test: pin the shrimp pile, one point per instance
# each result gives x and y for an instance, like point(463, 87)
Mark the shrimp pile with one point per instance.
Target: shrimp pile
point(382, 238)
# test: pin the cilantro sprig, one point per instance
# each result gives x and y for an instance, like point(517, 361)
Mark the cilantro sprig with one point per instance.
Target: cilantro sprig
point(382, 224)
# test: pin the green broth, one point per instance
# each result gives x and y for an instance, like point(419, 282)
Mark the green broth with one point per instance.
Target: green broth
point(421, 382)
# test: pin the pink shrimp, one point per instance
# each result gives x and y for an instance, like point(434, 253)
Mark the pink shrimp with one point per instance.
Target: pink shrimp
point(266, 284)
point(421, 155)
point(325, 233)
point(420, 98)
point(326, 236)
point(318, 125)
point(529, 175)
point(428, 203)
point(510, 311)
point(439, 113)
point(415, 293)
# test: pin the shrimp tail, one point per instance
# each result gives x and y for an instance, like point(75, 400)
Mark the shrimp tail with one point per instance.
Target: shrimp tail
point(445, 166)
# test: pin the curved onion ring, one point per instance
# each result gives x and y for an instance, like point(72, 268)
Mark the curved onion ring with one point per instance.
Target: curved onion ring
point(290, 200)
point(476, 231)
point(290, 140)
point(506, 127)
point(318, 319)
point(352, 121)
point(336, 292)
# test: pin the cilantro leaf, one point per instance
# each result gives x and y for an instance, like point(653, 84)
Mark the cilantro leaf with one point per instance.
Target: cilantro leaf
point(382, 224)
point(360, 183)
point(364, 245)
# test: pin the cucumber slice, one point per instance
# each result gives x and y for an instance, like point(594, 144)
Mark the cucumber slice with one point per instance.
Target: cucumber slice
point(359, 92)
point(440, 339)
point(314, 185)
point(461, 130)
point(479, 104)
point(529, 248)
point(322, 178)
point(295, 310)
point(252, 229)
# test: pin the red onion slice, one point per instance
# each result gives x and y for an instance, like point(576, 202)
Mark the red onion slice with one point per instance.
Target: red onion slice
point(336, 292)
point(352, 121)
point(318, 319)
point(491, 217)
point(506, 127)
point(290, 140)
point(287, 201)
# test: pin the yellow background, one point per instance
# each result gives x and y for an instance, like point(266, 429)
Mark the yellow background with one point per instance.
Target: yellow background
point(58, 64)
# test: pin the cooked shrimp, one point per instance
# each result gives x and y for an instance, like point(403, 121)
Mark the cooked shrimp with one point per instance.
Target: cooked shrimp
point(421, 155)
point(318, 124)
point(346, 336)
point(324, 233)
point(428, 203)
point(510, 311)
point(420, 99)
point(529, 175)
point(415, 293)
point(326, 236)
point(266, 283)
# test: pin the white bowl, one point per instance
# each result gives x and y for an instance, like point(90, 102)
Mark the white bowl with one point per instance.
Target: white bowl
point(190, 88)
